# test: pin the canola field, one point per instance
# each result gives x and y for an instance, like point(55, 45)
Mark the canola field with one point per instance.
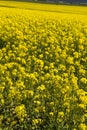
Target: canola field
point(43, 67)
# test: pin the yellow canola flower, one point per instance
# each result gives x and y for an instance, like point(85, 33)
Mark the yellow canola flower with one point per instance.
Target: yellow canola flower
point(51, 113)
point(52, 103)
point(82, 126)
point(41, 88)
point(36, 110)
point(70, 60)
point(82, 71)
point(82, 106)
point(37, 121)
point(37, 102)
point(21, 112)
point(60, 116)
point(83, 80)
point(30, 93)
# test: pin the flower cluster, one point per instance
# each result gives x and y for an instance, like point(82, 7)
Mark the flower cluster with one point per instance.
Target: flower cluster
point(43, 71)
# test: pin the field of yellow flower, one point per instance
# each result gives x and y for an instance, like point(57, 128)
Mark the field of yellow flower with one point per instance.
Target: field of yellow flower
point(43, 69)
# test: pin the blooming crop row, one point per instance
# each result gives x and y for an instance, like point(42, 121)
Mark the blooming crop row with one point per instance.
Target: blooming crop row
point(43, 71)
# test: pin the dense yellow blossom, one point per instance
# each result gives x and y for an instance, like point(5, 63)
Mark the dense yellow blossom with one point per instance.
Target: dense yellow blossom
point(20, 112)
point(43, 67)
